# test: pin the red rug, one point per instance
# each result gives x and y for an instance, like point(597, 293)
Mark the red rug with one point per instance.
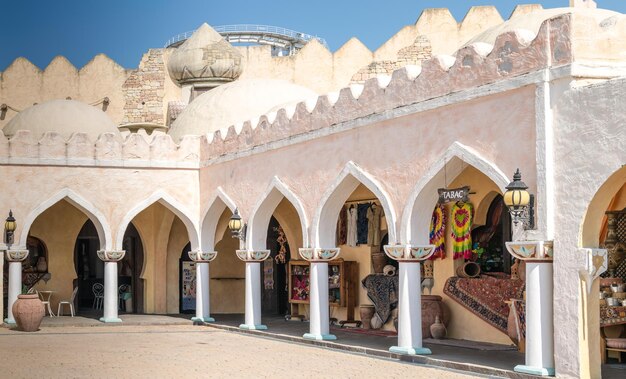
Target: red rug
point(485, 296)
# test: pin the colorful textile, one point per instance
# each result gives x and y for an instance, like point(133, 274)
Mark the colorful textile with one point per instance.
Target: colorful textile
point(351, 226)
point(382, 290)
point(462, 218)
point(342, 227)
point(612, 315)
point(485, 297)
point(438, 231)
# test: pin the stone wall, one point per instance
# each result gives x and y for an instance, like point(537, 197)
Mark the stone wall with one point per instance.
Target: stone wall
point(144, 90)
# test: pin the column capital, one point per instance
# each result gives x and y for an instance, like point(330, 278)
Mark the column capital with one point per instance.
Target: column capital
point(409, 253)
point(17, 255)
point(252, 255)
point(318, 254)
point(202, 256)
point(531, 251)
point(111, 255)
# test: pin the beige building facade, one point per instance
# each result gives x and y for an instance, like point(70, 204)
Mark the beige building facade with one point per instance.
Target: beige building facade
point(154, 161)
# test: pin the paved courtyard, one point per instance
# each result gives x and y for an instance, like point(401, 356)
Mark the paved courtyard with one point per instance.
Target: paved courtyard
point(177, 351)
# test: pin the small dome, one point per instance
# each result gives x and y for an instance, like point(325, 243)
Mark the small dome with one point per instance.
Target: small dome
point(234, 103)
point(532, 22)
point(64, 117)
point(205, 57)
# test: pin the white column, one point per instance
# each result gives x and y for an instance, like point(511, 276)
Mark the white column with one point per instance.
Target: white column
point(409, 311)
point(539, 320)
point(409, 297)
point(253, 297)
point(111, 291)
point(319, 325)
point(15, 288)
point(538, 256)
point(318, 295)
point(203, 312)
point(15, 258)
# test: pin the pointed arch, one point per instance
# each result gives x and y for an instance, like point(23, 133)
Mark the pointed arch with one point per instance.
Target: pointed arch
point(260, 217)
point(417, 213)
point(325, 222)
point(170, 203)
point(93, 213)
point(218, 203)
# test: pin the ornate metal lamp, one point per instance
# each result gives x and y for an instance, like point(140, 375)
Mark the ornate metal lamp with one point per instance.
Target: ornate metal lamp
point(9, 228)
point(236, 226)
point(520, 202)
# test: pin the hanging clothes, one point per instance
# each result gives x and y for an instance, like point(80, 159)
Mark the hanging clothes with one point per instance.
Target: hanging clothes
point(362, 222)
point(373, 226)
point(342, 227)
point(462, 218)
point(351, 233)
point(438, 231)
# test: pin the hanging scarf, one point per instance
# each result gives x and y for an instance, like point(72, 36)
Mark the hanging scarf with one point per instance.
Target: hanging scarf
point(462, 217)
point(438, 231)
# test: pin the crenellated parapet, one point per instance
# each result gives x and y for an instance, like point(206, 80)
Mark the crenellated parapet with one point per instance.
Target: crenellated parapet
point(513, 54)
point(137, 150)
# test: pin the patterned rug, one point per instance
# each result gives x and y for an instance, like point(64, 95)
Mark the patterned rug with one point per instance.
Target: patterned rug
point(485, 296)
point(369, 332)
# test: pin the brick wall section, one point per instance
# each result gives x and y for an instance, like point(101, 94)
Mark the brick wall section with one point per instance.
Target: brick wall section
point(144, 90)
point(413, 54)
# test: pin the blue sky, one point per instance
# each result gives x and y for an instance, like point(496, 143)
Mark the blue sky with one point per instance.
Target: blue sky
point(125, 29)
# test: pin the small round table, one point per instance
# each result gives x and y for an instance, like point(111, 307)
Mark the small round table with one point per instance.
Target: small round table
point(45, 299)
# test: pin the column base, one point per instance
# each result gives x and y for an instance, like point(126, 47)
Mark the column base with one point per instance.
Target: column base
point(319, 337)
point(202, 319)
point(9, 321)
point(111, 320)
point(541, 371)
point(410, 350)
point(252, 327)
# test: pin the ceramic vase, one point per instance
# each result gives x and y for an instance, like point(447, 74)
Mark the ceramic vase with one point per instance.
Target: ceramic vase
point(379, 260)
point(366, 312)
point(438, 330)
point(28, 311)
point(468, 270)
point(432, 307)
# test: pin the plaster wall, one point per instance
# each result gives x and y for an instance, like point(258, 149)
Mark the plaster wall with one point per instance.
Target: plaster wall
point(412, 144)
point(22, 84)
point(589, 157)
point(227, 272)
point(178, 239)
point(58, 228)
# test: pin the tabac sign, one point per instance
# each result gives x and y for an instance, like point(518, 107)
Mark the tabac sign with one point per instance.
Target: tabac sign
point(453, 195)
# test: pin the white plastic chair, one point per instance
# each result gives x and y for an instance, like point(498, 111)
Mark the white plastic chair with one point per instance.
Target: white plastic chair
point(68, 302)
point(98, 293)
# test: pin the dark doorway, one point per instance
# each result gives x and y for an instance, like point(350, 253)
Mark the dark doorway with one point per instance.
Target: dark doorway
point(274, 272)
point(186, 282)
point(90, 271)
point(490, 239)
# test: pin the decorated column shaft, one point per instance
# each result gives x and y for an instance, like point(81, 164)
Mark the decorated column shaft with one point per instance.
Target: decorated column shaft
point(253, 261)
point(111, 292)
point(319, 323)
point(15, 259)
point(203, 301)
point(409, 297)
point(539, 308)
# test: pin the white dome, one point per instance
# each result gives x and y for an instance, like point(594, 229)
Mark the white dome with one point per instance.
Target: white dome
point(532, 22)
point(64, 117)
point(234, 103)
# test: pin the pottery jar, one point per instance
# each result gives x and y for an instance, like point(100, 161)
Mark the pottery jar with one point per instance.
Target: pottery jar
point(438, 330)
point(28, 311)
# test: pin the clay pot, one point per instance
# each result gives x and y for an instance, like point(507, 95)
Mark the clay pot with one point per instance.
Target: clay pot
point(376, 322)
point(28, 311)
point(432, 307)
point(438, 330)
point(366, 312)
point(379, 260)
point(42, 265)
point(468, 270)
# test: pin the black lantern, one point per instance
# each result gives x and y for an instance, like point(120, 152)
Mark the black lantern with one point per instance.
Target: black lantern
point(9, 227)
point(519, 201)
point(236, 226)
